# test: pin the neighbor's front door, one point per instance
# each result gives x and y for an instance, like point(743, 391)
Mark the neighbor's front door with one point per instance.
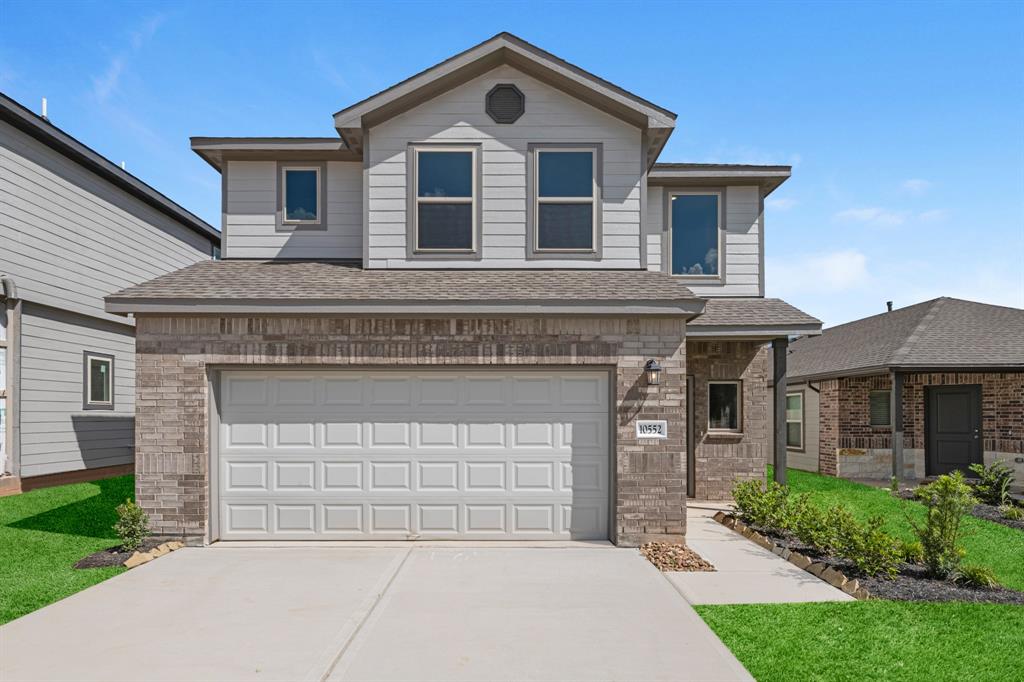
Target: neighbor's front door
point(953, 423)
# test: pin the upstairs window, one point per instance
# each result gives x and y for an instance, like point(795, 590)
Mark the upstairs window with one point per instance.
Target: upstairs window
point(696, 224)
point(99, 381)
point(795, 421)
point(725, 406)
point(879, 403)
point(300, 195)
point(446, 194)
point(566, 192)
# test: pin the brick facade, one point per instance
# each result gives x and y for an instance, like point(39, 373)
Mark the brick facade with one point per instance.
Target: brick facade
point(176, 353)
point(828, 426)
point(720, 459)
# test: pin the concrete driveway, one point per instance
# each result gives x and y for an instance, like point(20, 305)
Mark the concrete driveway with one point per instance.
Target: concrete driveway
point(408, 612)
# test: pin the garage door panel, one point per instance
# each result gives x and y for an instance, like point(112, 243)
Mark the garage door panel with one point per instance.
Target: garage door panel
point(343, 455)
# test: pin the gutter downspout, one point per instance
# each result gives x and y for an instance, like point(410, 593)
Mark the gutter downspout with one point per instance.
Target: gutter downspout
point(10, 294)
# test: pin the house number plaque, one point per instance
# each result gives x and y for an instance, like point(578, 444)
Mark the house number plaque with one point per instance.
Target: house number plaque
point(651, 428)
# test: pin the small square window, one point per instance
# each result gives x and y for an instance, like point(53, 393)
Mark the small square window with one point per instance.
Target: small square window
point(99, 381)
point(300, 196)
point(724, 406)
point(879, 403)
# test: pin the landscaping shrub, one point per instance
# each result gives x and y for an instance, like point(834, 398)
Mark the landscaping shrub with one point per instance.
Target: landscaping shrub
point(1012, 512)
point(132, 525)
point(976, 576)
point(993, 486)
point(913, 552)
point(765, 506)
point(871, 549)
point(946, 500)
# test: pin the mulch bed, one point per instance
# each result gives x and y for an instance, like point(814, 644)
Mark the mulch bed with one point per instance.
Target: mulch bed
point(670, 557)
point(912, 583)
point(987, 512)
point(115, 556)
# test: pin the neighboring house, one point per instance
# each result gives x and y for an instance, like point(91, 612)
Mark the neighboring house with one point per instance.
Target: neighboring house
point(482, 311)
point(73, 228)
point(954, 368)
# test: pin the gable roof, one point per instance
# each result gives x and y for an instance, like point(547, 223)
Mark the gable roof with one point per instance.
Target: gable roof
point(42, 130)
point(941, 333)
point(505, 48)
point(740, 317)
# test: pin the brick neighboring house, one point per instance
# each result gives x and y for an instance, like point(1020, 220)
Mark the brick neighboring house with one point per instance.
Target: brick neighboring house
point(483, 310)
point(955, 368)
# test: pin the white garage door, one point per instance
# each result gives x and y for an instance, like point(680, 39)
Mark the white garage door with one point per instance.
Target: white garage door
point(424, 454)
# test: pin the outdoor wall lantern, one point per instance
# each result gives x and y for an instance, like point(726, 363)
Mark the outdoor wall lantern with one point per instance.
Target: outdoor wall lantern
point(653, 370)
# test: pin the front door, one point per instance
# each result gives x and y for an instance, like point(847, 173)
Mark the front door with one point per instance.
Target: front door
point(953, 424)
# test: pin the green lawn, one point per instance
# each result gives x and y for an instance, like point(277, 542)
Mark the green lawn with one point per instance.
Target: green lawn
point(999, 547)
point(873, 640)
point(44, 532)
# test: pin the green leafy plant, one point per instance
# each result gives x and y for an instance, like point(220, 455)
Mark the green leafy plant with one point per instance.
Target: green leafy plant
point(1012, 512)
point(764, 506)
point(871, 549)
point(132, 525)
point(894, 485)
point(993, 485)
point(973, 575)
point(913, 552)
point(946, 501)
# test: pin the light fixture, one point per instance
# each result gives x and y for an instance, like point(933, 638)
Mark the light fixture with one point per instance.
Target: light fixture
point(653, 370)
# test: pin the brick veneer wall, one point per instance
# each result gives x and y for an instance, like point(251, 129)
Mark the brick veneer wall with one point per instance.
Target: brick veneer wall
point(828, 426)
point(173, 354)
point(722, 459)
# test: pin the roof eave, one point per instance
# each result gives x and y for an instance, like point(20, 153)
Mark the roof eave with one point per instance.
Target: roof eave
point(217, 150)
point(753, 332)
point(924, 368)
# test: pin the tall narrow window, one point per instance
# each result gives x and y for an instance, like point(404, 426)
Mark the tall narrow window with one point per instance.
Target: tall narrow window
point(696, 221)
point(445, 211)
point(724, 406)
point(795, 421)
point(566, 192)
point(99, 381)
point(879, 403)
point(300, 195)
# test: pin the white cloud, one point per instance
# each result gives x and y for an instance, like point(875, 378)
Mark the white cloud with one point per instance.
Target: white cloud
point(915, 186)
point(831, 271)
point(932, 216)
point(106, 84)
point(783, 204)
point(873, 216)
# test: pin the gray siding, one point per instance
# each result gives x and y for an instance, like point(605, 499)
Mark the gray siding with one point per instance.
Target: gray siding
point(70, 238)
point(57, 434)
point(551, 117)
point(742, 242)
point(808, 458)
point(251, 206)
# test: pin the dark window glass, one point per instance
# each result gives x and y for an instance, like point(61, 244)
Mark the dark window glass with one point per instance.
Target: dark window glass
point(879, 403)
point(300, 190)
point(445, 174)
point(445, 226)
point(565, 226)
point(695, 234)
point(724, 406)
point(99, 381)
point(565, 174)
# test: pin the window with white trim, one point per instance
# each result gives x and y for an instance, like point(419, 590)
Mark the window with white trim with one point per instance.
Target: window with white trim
point(300, 195)
point(696, 223)
point(795, 421)
point(445, 215)
point(99, 381)
point(565, 199)
point(879, 412)
point(725, 406)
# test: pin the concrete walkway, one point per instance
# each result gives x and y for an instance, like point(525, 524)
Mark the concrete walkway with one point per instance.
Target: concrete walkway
point(747, 573)
point(401, 612)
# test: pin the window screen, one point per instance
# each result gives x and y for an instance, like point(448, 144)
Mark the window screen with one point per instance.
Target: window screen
point(879, 403)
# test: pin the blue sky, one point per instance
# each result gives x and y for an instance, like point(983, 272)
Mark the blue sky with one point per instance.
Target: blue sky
point(904, 122)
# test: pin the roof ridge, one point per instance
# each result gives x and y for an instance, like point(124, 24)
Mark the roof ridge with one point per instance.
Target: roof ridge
point(915, 335)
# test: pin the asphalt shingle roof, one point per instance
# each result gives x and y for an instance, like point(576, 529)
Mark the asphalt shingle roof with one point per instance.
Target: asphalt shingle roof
point(234, 280)
point(944, 332)
point(760, 312)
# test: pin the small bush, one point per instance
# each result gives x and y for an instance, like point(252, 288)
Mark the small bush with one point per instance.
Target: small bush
point(894, 485)
point(871, 549)
point(946, 500)
point(976, 576)
point(1012, 512)
point(913, 552)
point(132, 525)
point(767, 507)
point(994, 480)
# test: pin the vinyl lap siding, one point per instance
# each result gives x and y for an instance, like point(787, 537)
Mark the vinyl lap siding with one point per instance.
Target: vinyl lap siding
point(57, 435)
point(70, 238)
point(551, 117)
point(742, 242)
point(251, 206)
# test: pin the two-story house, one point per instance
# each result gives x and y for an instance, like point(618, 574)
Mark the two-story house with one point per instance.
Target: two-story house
point(74, 227)
point(483, 310)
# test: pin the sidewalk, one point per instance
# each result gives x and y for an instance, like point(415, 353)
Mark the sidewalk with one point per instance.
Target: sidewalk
point(746, 573)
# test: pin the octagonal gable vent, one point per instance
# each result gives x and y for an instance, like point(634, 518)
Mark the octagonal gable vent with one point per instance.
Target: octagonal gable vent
point(505, 103)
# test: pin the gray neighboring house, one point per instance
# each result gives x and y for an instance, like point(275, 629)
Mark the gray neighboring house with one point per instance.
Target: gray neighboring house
point(914, 392)
point(482, 310)
point(74, 227)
